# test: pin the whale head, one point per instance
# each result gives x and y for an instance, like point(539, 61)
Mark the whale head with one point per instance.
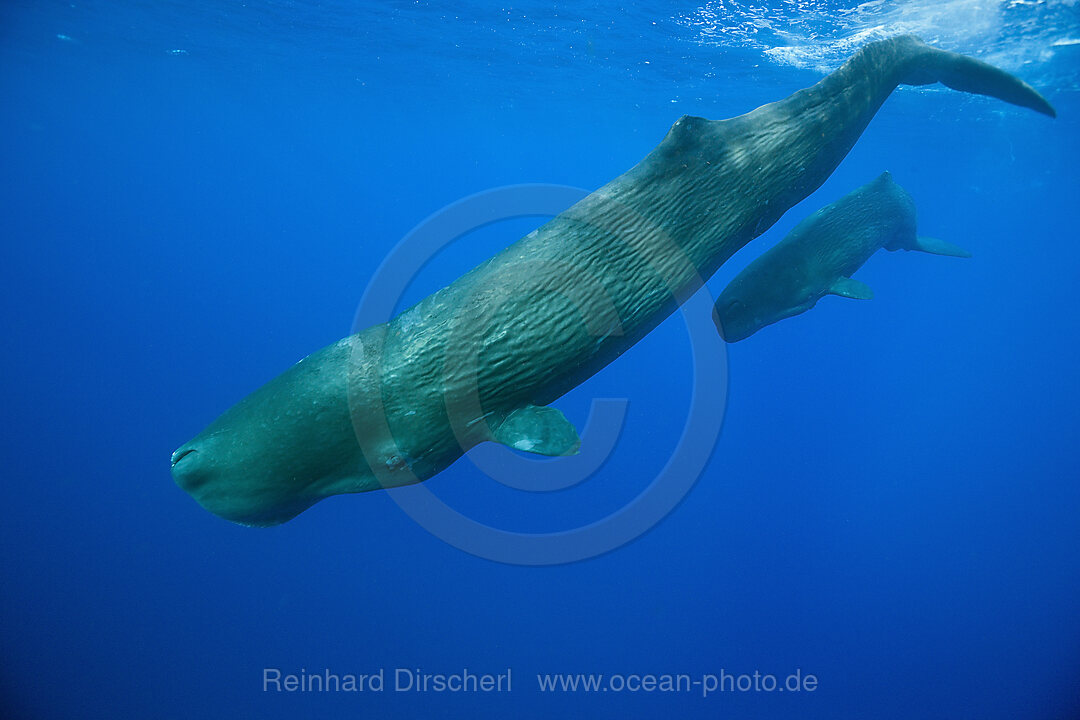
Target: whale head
point(244, 482)
point(761, 296)
point(280, 450)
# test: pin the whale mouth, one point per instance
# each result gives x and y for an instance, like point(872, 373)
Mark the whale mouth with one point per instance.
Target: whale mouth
point(181, 454)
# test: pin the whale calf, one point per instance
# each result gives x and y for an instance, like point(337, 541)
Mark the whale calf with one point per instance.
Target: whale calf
point(482, 358)
point(818, 257)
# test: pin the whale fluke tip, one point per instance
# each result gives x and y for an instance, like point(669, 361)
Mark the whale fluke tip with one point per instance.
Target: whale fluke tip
point(926, 65)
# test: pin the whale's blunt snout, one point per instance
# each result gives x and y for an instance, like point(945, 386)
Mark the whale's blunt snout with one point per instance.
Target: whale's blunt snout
point(181, 454)
point(729, 318)
point(238, 489)
point(187, 471)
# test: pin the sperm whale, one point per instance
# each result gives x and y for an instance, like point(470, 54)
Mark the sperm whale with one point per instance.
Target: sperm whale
point(482, 359)
point(819, 256)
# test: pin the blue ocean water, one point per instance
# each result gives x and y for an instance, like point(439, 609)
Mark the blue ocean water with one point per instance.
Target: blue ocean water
point(196, 195)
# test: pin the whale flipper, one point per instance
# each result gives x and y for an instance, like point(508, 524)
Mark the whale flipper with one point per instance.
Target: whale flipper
point(938, 247)
point(851, 288)
point(541, 430)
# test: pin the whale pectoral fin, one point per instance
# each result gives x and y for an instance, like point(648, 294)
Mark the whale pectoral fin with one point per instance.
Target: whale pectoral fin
point(849, 288)
point(939, 247)
point(541, 430)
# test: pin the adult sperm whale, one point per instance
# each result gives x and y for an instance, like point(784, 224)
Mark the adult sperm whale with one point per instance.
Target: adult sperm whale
point(481, 358)
point(818, 257)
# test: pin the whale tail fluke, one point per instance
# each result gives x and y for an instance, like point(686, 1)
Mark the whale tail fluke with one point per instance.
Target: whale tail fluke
point(927, 65)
